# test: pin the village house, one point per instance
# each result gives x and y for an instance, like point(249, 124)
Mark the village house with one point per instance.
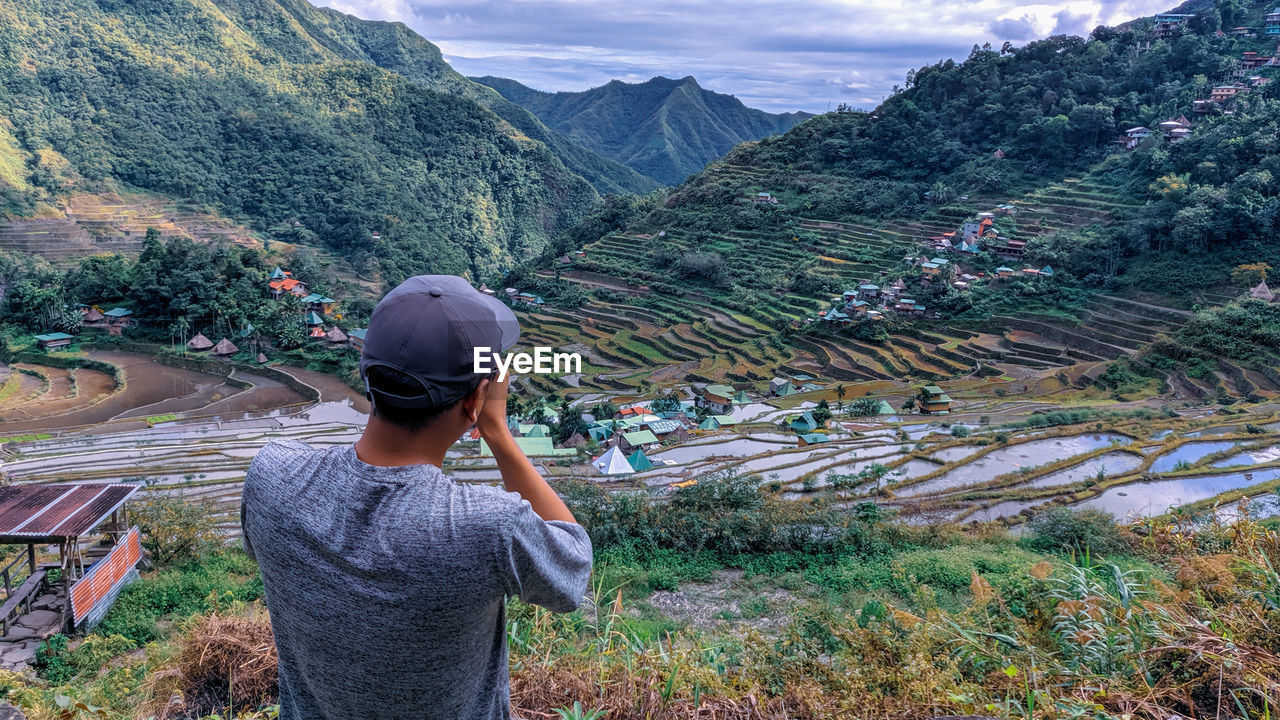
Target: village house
point(665, 429)
point(486, 290)
point(1273, 22)
point(319, 303)
point(1176, 130)
point(335, 336)
point(836, 316)
point(357, 338)
point(225, 347)
point(868, 291)
point(637, 439)
point(199, 343)
point(781, 387)
point(1243, 31)
point(1012, 249)
point(117, 319)
point(1167, 24)
point(804, 423)
point(529, 299)
point(1134, 136)
point(53, 341)
point(1202, 106)
point(933, 401)
point(808, 439)
point(1225, 93)
point(1004, 273)
point(716, 398)
point(931, 270)
point(288, 285)
point(93, 317)
point(1262, 292)
point(764, 198)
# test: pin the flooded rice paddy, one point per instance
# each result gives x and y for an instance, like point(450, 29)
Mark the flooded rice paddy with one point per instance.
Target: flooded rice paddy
point(183, 431)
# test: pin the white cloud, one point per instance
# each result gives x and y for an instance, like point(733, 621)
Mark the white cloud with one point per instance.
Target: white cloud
point(776, 56)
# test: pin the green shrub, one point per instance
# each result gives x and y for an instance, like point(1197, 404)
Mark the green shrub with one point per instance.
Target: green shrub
point(174, 529)
point(180, 592)
point(1062, 529)
point(52, 661)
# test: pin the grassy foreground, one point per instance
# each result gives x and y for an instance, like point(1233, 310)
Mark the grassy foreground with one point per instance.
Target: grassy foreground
point(807, 611)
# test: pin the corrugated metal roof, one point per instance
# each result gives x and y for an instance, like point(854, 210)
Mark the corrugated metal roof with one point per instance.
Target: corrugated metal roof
point(57, 511)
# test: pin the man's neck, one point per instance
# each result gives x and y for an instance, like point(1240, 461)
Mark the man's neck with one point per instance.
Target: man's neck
point(386, 445)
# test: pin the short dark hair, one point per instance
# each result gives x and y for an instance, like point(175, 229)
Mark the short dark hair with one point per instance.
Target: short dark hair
point(390, 380)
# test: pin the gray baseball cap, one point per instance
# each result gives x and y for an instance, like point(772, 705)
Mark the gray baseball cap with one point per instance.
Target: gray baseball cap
point(428, 328)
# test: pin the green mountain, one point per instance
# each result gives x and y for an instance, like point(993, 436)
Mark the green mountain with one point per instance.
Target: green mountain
point(666, 129)
point(1038, 126)
point(317, 126)
point(395, 47)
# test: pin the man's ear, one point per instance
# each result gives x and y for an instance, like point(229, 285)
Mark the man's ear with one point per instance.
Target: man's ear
point(474, 403)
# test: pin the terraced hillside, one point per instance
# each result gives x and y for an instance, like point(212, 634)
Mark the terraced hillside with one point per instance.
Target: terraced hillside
point(94, 224)
point(639, 336)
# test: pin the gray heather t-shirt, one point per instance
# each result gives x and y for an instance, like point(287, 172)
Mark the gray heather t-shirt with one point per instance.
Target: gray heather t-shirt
point(387, 585)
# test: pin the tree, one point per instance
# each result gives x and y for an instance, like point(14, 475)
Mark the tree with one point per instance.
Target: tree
point(1250, 274)
point(822, 413)
point(666, 403)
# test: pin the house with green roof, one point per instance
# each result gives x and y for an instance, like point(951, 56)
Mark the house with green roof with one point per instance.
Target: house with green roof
point(277, 274)
point(709, 423)
point(781, 387)
point(639, 461)
point(600, 433)
point(52, 341)
point(934, 401)
point(741, 398)
point(636, 439)
point(311, 318)
point(807, 439)
point(533, 430)
point(357, 337)
point(725, 420)
point(532, 447)
point(716, 398)
point(884, 408)
point(804, 423)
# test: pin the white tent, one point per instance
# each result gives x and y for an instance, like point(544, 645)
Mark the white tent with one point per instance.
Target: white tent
point(613, 462)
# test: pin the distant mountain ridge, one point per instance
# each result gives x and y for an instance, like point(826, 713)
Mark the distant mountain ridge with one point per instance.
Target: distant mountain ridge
point(665, 129)
point(393, 46)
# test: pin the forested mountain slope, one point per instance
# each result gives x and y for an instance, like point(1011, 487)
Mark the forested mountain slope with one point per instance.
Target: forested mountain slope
point(666, 129)
point(1010, 123)
point(395, 47)
point(274, 112)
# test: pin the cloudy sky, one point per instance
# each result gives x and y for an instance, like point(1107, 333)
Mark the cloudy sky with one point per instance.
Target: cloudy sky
point(773, 55)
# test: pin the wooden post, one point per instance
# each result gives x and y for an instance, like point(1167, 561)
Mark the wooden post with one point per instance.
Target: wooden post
point(31, 558)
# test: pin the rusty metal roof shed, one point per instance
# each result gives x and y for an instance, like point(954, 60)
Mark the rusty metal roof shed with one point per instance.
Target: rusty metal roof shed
point(50, 513)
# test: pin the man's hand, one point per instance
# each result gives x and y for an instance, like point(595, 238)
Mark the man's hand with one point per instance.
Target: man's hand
point(492, 419)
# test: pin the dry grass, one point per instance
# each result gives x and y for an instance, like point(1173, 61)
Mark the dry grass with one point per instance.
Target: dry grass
point(226, 661)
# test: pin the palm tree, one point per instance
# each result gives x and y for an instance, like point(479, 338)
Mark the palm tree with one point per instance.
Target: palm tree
point(840, 396)
point(184, 328)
